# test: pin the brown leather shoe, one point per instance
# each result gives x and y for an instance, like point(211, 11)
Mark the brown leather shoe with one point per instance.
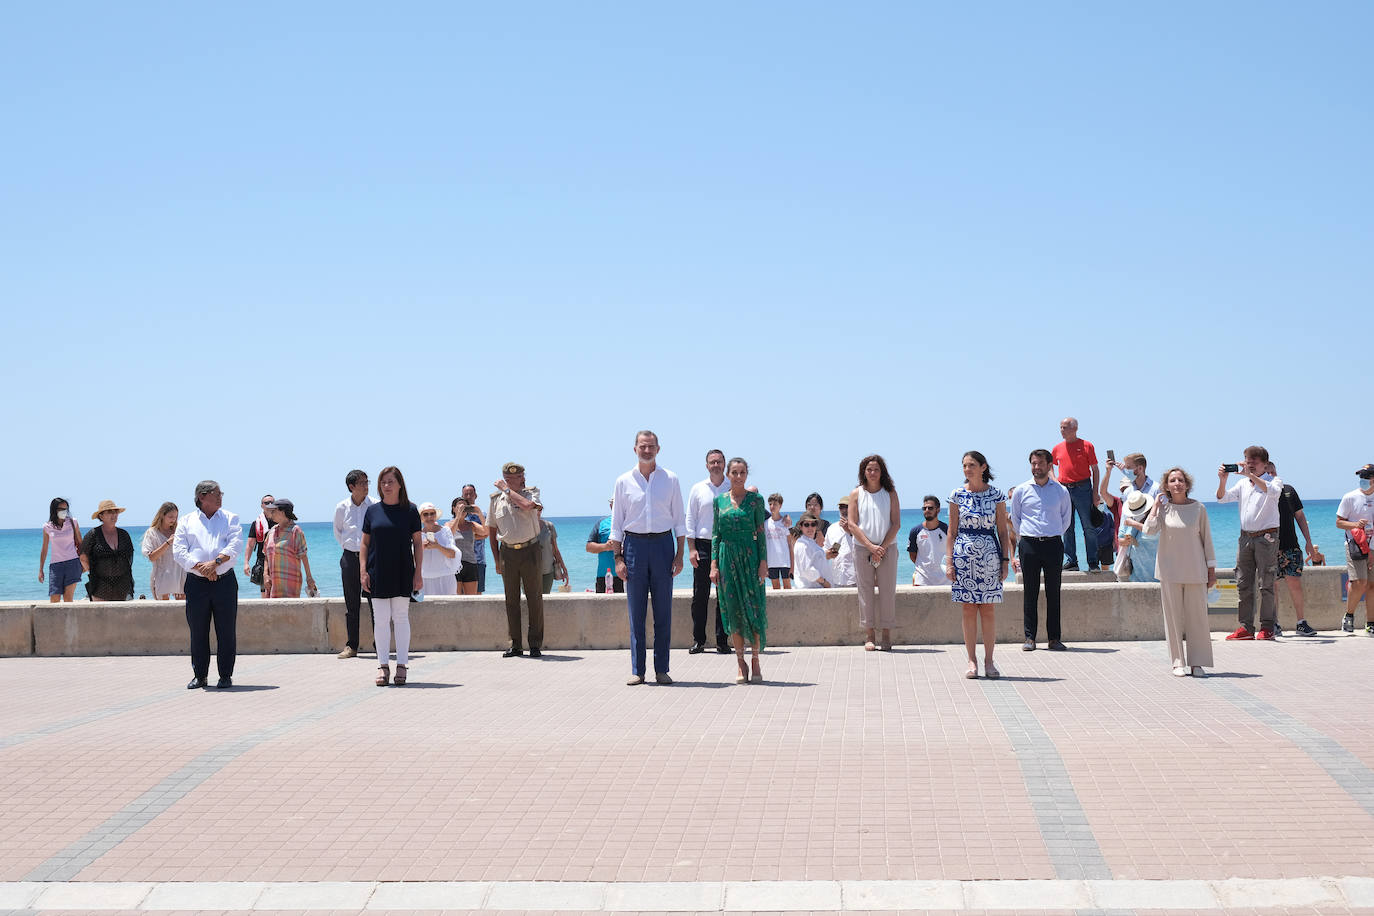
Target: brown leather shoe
point(348, 652)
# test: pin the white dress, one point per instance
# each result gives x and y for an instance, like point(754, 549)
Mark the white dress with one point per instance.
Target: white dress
point(168, 578)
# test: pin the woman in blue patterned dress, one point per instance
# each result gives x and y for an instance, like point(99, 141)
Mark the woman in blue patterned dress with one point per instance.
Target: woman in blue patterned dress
point(976, 556)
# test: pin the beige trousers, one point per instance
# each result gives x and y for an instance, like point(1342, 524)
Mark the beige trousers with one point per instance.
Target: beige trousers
point(1185, 618)
point(882, 613)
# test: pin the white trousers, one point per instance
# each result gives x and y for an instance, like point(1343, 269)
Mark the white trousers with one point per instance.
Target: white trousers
point(386, 613)
point(1185, 621)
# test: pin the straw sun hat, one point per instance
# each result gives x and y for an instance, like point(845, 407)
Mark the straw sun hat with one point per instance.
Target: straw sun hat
point(105, 506)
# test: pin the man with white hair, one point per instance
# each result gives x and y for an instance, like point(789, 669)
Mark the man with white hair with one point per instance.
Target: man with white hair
point(206, 544)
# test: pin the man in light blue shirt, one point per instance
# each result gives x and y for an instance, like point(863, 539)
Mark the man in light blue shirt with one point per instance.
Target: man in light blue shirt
point(1041, 511)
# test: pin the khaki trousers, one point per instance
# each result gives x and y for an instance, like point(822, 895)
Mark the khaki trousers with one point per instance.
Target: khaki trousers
point(1185, 618)
point(880, 614)
point(521, 567)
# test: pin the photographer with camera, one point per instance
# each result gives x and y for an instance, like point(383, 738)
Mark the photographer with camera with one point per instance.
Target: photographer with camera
point(1355, 516)
point(1257, 552)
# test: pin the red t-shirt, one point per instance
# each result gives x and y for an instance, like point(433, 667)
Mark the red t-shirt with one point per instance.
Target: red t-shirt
point(1075, 462)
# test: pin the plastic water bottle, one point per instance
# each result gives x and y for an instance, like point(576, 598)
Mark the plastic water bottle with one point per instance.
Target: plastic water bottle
point(610, 582)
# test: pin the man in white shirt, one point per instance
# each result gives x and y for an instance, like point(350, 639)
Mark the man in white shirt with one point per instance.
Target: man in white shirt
point(205, 544)
point(1355, 513)
point(348, 531)
point(700, 526)
point(926, 545)
point(646, 517)
point(1041, 511)
point(839, 547)
point(1257, 554)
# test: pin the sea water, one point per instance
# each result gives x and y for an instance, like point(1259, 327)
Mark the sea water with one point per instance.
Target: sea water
point(19, 550)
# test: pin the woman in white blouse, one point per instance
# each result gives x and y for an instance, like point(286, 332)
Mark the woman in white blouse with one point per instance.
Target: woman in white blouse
point(168, 579)
point(441, 554)
point(810, 568)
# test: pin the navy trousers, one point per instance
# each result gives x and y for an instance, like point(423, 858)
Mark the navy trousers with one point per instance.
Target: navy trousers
point(216, 601)
point(649, 573)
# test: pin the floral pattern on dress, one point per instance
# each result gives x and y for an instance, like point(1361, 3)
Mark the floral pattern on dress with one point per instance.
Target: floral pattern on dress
point(977, 551)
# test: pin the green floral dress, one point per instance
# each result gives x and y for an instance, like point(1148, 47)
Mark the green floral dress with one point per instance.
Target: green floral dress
point(738, 548)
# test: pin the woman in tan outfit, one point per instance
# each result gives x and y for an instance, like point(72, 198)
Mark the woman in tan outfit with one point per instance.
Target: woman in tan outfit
point(1186, 569)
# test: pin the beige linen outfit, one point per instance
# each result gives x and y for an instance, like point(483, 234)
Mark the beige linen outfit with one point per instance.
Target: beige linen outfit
point(873, 515)
point(1185, 555)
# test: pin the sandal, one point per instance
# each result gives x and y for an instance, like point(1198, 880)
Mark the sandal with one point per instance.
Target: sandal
point(384, 675)
point(757, 676)
point(743, 676)
point(400, 679)
point(990, 669)
point(972, 672)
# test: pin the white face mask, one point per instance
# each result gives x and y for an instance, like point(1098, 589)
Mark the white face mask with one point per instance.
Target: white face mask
point(61, 515)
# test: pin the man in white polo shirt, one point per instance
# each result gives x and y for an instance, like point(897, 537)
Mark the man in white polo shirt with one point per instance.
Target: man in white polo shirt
point(926, 545)
point(1257, 553)
point(1356, 512)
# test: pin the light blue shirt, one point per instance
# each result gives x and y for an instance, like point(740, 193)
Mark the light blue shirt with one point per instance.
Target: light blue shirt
point(1040, 510)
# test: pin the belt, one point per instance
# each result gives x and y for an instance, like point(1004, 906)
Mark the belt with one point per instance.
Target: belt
point(1074, 483)
point(354, 552)
point(522, 545)
point(652, 534)
point(1255, 534)
point(1036, 537)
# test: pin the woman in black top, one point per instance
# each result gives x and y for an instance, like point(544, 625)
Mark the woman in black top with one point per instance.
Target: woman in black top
point(107, 553)
point(392, 557)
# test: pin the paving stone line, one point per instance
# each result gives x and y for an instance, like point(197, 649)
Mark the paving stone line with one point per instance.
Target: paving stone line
point(1084, 897)
point(1073, 849)
point(66, 864)
point(9, 741)
point(1347, 770)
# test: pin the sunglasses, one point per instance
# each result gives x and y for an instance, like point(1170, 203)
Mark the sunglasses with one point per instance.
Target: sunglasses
point(808, 524)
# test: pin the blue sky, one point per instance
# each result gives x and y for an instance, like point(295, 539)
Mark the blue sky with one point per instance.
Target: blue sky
point(270, 242)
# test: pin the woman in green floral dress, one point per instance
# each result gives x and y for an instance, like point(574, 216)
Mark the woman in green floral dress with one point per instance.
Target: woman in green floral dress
point(739, 566)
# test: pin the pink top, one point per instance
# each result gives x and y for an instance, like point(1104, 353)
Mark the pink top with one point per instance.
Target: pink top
point(61, 541)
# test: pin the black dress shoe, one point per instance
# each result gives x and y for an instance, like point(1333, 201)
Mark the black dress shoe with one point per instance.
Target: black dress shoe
point(197, 683)
point(1070, 567)
point(697, 648)
point(724, 650)
point(1028, 646)
point(1057, 646)
point(512, 653)
point(535, 653)
point(224, 683)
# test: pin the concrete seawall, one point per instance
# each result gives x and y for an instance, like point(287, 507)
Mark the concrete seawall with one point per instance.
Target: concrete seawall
point(1095, 609)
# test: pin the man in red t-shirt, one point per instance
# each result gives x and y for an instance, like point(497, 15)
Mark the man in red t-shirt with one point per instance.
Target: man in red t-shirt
point(1075, 466)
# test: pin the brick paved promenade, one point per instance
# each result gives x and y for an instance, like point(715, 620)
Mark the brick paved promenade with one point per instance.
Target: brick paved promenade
point(1086, 781)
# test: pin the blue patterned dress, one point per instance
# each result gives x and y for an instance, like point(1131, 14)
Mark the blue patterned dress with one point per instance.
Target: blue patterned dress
point(977, 551)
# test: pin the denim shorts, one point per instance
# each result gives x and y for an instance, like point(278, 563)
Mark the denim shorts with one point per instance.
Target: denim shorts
point(61, 575)
point(780, 572)
point(1290, 562)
